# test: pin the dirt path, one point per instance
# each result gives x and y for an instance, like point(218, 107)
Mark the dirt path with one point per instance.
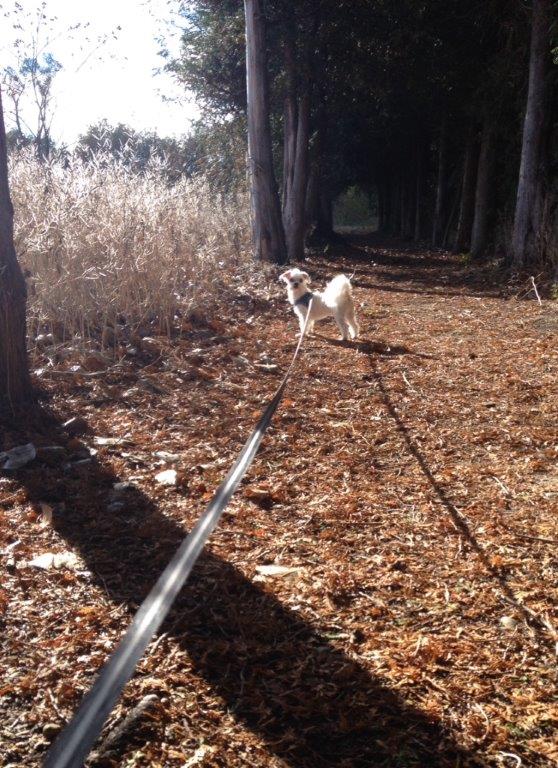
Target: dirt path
point(408, 490)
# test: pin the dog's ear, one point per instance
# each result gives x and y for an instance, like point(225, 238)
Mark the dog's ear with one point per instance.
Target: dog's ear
point(305, 276)
point(285, 276)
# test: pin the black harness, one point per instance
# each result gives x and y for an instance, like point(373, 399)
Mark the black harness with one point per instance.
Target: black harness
point(305, 300)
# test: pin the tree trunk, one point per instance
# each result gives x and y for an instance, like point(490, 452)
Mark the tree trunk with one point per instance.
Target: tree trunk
point(479, 233)
point(295, 198)
point(290, 117)
point(467, 203)
point(15, 382)
point(267, 224)
point(312, 192)
point(526, 229)
point(295, 154)
point(451, 218)
point(437, 224)
point(418, 193)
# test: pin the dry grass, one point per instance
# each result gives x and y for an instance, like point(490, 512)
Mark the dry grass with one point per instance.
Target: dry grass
point(107, 248)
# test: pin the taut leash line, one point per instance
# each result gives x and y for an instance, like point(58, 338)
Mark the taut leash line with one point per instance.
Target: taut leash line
point(76, 740)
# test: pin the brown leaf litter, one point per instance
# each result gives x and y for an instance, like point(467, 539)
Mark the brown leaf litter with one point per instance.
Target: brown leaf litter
point(382, 589)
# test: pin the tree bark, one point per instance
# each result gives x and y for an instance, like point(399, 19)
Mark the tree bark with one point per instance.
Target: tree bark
point(267, 225)
point(467, 203)
point(418, 193)
point(312, 191)
point(15, 382)
point(296, 140)
point(295, 235)
point(290, 117)
point(526, 230)
point(440, 204)
point(479, 233)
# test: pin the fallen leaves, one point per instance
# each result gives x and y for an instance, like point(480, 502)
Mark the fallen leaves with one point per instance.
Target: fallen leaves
point(338, 597)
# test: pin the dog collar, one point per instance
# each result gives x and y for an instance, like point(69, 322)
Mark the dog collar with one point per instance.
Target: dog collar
point(305, 299)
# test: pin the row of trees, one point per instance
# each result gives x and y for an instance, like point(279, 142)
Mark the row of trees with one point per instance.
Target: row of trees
point(445, 108)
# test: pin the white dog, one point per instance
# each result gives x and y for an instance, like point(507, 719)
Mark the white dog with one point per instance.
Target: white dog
point(335, 301)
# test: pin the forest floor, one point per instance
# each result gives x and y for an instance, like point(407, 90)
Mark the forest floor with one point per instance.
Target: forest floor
point(406, 497)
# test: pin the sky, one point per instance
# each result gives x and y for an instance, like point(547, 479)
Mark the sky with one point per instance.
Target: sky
point(109, 63)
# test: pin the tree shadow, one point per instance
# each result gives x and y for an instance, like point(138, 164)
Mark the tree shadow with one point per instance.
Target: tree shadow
point(384, 263)
point(312, 704)
point(458, 520)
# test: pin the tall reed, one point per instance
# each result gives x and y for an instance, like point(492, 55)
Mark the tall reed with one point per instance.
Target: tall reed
point(104, 245)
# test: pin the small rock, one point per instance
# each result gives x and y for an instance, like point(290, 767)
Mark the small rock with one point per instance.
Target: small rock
point(55, 560)
point(167, 477)
point(18, 457)
point(76, 426)
point(50, 730)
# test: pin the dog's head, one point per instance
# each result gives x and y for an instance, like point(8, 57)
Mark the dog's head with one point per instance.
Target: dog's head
point(295, 279)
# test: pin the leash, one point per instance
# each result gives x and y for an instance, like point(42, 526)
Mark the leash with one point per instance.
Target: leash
point(76, 740)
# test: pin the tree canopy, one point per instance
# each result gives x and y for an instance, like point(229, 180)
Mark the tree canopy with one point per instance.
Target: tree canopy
point(400, 91)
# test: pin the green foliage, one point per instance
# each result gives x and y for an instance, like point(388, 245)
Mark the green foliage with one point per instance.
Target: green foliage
point(215, 150)
point(212, 64)
point(355, 207)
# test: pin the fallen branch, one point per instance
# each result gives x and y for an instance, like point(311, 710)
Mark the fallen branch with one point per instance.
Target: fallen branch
point(116, 736)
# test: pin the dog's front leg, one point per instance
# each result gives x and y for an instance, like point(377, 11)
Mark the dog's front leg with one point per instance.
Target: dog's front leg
point(301, 320)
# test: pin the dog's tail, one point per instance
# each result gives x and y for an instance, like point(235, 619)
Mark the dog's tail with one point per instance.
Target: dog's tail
point(336, 289)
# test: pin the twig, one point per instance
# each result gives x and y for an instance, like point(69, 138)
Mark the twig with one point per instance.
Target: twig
point(535, 289)
point(502, 485)
point(407, 382)
point(532, 538)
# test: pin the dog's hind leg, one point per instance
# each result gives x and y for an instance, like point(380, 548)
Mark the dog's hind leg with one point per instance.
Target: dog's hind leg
point(353, 324)
point(342, 325)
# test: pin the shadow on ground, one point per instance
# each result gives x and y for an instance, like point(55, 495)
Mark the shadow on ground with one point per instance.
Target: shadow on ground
point(314, 706)
point(458, 521)
point(403, 267)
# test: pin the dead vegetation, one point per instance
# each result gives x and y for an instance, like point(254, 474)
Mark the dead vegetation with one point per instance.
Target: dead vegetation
point(107, 249)
point(382, 590)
